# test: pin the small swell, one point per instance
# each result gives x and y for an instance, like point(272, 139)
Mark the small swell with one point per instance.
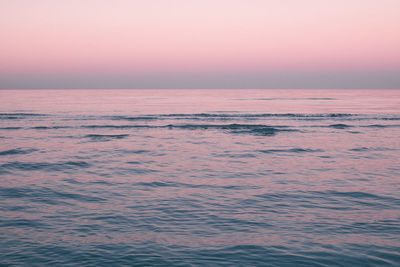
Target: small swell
point(37, 166)
point(364, 149)
point(340, 126)
point(138, 151)
point(22, 114)
point(359, 195)
point(225, 116)
point(21, 222)
point(265, 131)
point(17, 116)
point(254, 129)
point(45, 195)
point(390, 118)
point(234, 156)
point(381, 126)
point(49, 127)
point(101, 137)
point(261, 115)
point(17, 151)
point(261, 130)
point(218, 126)
point(137, 118)
point(291, 150)
point(11, 128)
point(114, 126)
point(187, 185)
point(230, 115)
point(136, 170)
point(157, 184)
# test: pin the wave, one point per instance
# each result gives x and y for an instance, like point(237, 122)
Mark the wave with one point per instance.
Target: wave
point(22, 114)
point(300, 115)
point(220, 115)
point(138, 151)
point(357, 195)
point(340, 126)
point(364, 149)
point(255, 129)
point(134, 118)
point(235, 156)
point(212, 115)
point(46, 195)
point(11, 128)
point(18, 116)
point(115, 126)
point(17, 151)
point(265, 131)
point(346, 199)
point(187, 185)
point(49, 127)
point(193, 126)
point(46, 166)
point(390, 118)
point(291, 150)
point(130, 171)
point(233, 126)
point(381, 126)
point(105, 136)
point(345, 126)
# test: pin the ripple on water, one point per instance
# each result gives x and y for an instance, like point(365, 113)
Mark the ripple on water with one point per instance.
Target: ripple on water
point(44, 166)
point(17, 151)
point(46, 195)
point(105, 137)
point(290, 150)
point(208, 188)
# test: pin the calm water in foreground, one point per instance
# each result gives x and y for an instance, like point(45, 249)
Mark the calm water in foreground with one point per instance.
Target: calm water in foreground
point(200, 177)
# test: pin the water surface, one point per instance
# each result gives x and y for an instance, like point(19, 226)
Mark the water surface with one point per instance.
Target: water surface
point(200, 177)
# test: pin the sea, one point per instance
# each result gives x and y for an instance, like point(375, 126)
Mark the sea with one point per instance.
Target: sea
point(200, 177)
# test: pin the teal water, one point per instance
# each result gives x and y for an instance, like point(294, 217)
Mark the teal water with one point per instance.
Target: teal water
point(200, 177)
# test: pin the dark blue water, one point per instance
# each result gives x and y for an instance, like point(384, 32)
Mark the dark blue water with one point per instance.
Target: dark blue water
point(193, 178)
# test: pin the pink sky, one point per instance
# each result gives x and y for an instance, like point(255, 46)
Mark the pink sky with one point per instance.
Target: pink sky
point(118, 35)
point(178, 36)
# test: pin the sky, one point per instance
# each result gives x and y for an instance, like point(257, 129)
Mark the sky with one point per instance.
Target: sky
point(199, 44)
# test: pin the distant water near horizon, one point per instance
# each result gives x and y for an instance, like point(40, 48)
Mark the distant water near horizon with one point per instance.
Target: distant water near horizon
point(200, 177)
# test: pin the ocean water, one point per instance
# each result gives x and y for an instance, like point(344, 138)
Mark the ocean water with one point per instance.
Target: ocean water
point(200, 177)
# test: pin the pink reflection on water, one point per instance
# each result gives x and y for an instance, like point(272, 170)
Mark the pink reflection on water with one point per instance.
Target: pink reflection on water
point(235, 180)
point(197, 101)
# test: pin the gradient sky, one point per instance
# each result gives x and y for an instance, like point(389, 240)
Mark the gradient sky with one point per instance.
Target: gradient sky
point(199, 44)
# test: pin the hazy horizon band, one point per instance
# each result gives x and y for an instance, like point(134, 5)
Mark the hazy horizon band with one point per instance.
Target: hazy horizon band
point(200, 44)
